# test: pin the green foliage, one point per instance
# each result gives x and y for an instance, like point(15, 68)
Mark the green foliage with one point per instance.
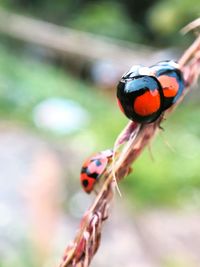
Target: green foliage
point(24, 83)
point(155, 25)
point(108, 19)
point(166, 18)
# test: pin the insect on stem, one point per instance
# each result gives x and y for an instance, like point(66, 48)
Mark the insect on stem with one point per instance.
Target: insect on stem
point(127, 148)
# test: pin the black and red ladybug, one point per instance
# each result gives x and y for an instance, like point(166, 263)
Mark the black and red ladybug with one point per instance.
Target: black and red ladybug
point(92, 169)
point(170, 77)
point(144, 93)
point(140, 97)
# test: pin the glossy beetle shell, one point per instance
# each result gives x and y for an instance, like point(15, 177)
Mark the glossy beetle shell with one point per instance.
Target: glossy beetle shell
point(92, 169)
point(171, 79)
point(140, 97)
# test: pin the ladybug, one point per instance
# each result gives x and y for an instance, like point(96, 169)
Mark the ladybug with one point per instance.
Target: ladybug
point(93, 168)
point(171, 79)
point(144, 93)
point(140, 97)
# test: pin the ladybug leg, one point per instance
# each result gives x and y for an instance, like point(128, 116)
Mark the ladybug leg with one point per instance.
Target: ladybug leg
point(105, 213)
point(171, 148)
point(105, 218)
point(128, 171)
point(160, 127)
point(150, 152)
point(159, 123)
point(95, 191)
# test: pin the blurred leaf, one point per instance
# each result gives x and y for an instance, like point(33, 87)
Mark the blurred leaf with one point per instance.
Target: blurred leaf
point(166, 18)
point(108, 19)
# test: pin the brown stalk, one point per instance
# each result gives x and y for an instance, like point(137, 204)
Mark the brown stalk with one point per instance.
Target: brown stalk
point(134, 138)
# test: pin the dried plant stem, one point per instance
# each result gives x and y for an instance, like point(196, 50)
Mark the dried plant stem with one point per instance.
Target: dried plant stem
point(134, 138)
point(190, 52)
point(192, 26)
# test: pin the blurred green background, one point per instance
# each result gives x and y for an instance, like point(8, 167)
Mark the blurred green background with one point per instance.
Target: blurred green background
point(31, 75)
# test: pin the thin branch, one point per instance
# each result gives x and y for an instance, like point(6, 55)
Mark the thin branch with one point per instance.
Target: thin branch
point(192, 26)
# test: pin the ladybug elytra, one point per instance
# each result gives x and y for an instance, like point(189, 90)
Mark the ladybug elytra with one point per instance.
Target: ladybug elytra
point(144, 93)
point(93, 168)
point(140, 98)
point(171, 80)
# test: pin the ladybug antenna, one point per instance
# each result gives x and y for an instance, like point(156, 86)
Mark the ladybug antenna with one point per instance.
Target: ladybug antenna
point(150, 152)
point(166, 142)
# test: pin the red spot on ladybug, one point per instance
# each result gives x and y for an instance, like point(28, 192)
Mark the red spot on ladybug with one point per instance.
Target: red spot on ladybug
point(93, 168)
point(87, 182)
point(169, 85)
point(147, 104)
point(171, 79)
